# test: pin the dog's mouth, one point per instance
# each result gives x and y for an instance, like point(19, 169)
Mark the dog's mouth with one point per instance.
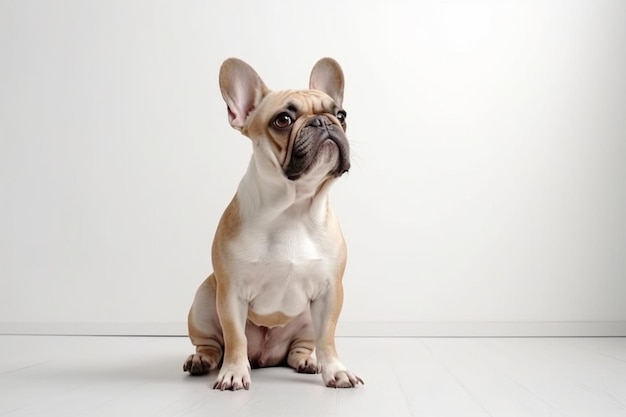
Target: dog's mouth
point(319, 143)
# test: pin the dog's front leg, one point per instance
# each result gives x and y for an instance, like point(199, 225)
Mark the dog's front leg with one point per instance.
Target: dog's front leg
point(325, 313)
point(233, 312)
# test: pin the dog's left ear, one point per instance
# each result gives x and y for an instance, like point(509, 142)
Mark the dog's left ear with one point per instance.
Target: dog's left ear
point(327, 76)
point(242, 89)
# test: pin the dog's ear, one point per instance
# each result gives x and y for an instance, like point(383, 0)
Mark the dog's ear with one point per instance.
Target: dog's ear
point(327, 76)
point(242, 89)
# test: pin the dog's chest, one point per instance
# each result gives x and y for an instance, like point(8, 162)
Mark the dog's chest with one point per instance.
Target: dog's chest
point(283, 265)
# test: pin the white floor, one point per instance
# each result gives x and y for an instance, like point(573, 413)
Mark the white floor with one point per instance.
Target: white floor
point(142, 376)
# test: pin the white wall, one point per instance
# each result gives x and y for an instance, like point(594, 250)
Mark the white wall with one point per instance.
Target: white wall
point(488, 182)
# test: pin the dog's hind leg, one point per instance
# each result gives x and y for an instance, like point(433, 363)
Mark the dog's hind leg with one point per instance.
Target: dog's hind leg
point(301, 356)
point(205, 331)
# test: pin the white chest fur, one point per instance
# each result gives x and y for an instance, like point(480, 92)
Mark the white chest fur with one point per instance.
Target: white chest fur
point(283, 264)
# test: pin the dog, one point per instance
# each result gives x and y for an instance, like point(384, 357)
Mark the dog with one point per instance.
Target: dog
point(275, 294)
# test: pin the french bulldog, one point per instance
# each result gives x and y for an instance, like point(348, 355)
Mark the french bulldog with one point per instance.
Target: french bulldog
point(276, 292)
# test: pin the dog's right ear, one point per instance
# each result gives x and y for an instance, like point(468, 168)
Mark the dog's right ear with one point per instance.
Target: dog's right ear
point(242, 89)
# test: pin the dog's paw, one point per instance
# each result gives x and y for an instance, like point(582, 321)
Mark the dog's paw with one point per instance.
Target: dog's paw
point(199, 364)
point(303, 361)
point(307, 366)
point(335, 375)
point(343, 379)
point(233, 377)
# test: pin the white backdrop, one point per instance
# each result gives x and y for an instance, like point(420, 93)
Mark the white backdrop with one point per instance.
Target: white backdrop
point(488, 188)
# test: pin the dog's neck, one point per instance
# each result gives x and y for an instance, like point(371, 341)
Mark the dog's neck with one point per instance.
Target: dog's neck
point(267, 197)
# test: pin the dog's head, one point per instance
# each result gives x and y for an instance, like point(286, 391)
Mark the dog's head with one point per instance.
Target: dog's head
point(296, 134)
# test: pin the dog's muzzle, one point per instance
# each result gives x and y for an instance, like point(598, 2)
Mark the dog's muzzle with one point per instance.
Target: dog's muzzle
point(308, 144)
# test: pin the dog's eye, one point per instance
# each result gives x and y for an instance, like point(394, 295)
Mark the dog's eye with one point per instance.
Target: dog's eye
point(283, 120)
point(341, 116)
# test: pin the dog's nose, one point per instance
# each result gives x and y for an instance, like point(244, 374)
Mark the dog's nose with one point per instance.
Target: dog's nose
point(318, 121)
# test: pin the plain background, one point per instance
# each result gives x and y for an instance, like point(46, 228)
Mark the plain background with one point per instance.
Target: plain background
point(488, 182)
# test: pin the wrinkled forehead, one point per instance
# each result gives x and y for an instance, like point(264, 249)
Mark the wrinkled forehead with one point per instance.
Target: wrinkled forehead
point(299, 102)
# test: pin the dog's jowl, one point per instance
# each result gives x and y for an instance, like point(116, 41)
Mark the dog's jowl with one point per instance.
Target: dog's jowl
point(276, 292)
